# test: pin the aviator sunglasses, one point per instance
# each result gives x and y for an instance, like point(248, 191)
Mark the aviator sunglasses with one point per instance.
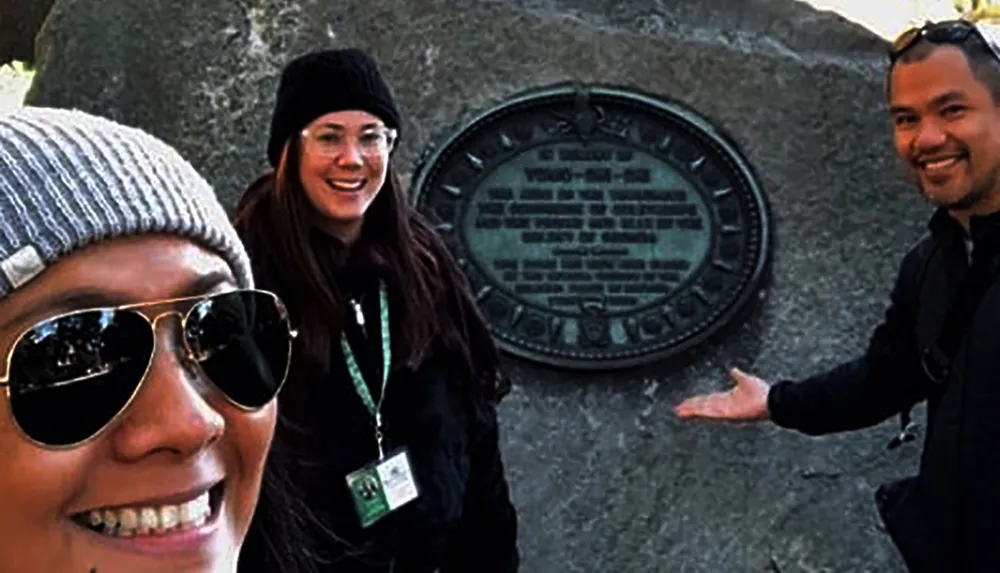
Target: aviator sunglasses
point(70, 376)
point(945, 32)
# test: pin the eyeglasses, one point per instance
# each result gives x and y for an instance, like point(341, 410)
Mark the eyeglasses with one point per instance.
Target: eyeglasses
point(69, 377)
point(329, 143)
point(946, 32)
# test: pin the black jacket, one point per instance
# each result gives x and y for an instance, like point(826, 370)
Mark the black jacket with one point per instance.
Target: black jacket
point(940, 342)
point(463, 520)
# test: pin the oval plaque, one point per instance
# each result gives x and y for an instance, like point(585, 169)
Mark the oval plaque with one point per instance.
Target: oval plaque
point(600, 227)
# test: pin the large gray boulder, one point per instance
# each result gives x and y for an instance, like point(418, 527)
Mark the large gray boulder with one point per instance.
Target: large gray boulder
point(19, 24)
point(605, 478)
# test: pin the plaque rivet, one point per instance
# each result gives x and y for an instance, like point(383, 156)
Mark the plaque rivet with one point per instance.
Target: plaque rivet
point(516, 316)
point(484, 293)
point(505, 141)
point(474, 161)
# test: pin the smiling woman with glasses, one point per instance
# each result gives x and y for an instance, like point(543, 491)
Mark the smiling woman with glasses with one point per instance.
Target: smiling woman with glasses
point(391, 400)
point(140, 365)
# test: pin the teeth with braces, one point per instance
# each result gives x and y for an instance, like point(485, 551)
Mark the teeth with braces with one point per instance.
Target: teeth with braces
point(128, 522)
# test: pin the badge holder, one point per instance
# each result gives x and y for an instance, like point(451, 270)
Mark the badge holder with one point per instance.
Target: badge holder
point(381, 488)
point(384, 486)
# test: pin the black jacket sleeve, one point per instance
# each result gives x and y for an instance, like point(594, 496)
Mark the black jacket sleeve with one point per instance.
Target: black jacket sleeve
point(486, 539)
point(887, 379)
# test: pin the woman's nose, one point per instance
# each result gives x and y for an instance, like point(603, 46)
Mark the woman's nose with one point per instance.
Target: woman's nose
point(350, 156)
point(170, 414)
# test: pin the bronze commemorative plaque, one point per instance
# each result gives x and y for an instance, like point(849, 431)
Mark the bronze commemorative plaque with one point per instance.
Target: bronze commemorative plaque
point(600, 227)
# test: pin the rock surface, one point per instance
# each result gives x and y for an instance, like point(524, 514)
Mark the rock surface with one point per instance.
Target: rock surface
point(605, 478)
point(19, 23)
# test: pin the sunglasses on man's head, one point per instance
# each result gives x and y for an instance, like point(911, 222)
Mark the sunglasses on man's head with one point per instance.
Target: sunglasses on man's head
point(70, 376)
point(946, 32)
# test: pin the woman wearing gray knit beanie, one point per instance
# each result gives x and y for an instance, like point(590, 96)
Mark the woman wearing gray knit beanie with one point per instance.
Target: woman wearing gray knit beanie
point(140, 365)
point(391, 400)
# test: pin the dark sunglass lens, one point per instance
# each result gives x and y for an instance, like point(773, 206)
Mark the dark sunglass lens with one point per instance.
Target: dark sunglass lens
point(242, 341)
point(72, 375)
point(950, 32)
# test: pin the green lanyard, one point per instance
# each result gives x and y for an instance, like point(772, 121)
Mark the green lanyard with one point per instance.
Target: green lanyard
point(355, 372)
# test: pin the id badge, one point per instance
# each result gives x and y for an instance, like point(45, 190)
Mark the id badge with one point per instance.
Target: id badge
point(380, 488)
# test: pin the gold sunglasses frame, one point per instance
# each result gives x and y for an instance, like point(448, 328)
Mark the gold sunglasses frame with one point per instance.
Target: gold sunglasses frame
point(147, 310)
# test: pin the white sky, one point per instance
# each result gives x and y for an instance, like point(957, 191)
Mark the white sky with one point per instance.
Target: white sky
point(887, 18)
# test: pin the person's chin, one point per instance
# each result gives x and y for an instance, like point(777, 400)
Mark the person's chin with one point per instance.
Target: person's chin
point(219, 557)
point(948, 196)
point(349, 211)
point(344, 217)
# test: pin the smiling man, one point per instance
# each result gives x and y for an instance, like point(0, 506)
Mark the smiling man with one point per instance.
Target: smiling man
point(940, 338)
point(946, 125)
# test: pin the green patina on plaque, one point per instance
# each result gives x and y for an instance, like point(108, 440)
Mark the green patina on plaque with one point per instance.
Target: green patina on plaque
point(600, 227)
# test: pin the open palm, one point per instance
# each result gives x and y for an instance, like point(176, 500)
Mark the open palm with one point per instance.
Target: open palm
point(745, 402)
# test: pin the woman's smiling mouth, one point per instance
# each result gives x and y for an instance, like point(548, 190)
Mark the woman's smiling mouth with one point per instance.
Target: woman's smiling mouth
point(346, 184)
point(155, 519)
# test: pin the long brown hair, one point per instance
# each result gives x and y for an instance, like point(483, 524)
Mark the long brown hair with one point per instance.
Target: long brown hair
point(275, 220)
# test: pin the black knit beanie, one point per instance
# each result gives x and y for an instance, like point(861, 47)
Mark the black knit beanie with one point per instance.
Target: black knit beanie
point(321, 82)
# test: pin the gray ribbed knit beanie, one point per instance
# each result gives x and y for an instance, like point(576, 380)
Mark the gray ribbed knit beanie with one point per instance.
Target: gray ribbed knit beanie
point(69, 179)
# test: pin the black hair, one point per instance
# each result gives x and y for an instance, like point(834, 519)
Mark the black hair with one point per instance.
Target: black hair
point(982, 61)
point(277, 541)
